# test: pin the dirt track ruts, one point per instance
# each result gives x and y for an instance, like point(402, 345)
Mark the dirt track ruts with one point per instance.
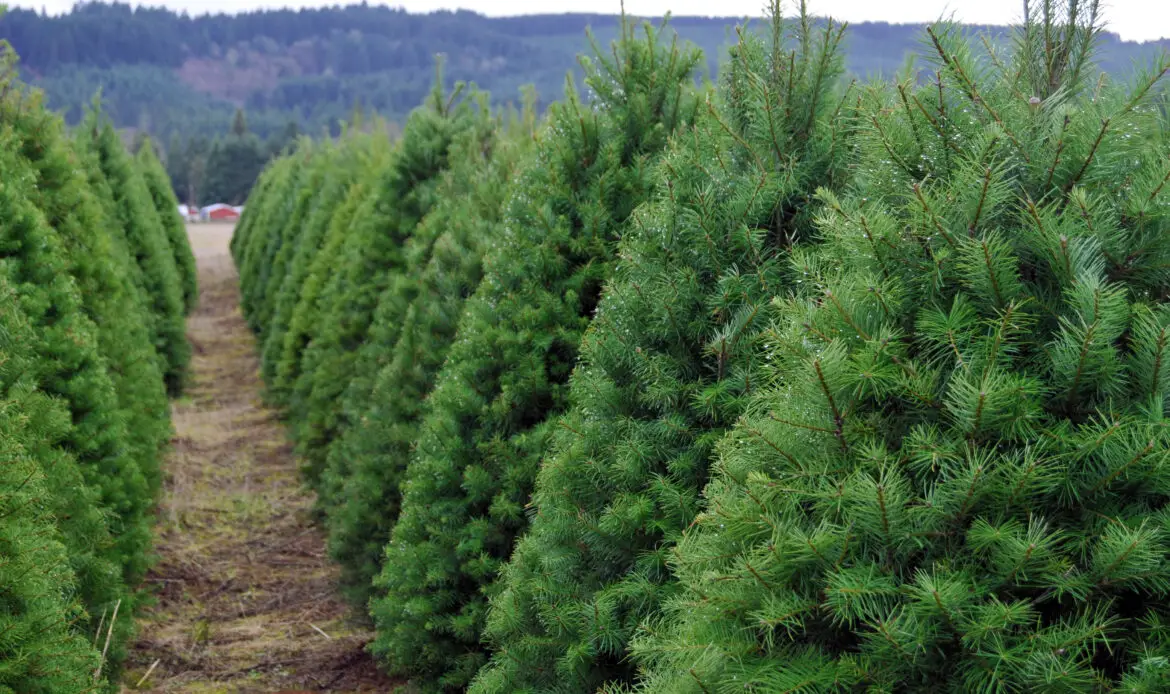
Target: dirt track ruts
point(246, 598)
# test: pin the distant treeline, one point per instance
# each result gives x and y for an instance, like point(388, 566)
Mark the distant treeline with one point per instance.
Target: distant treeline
point(168, 73)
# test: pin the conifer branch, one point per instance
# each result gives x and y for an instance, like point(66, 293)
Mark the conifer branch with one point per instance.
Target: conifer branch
point(934, 123)
point(1108, 480)
point(982, 200)
point(1089, 159)
point(933, 217)
point(1059, 149)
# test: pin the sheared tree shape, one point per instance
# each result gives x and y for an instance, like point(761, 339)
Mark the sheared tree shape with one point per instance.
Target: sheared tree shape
point(41, 649)
point(67, 365)
point(304, 322)
point(679, 344)
point(371, 254)
point(148, 245)
point(957, 477)
point(412, 331)
point(507, 373)
point(167, 206)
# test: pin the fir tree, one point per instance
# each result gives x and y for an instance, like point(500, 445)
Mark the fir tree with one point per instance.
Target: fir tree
point(157, 275)
point(41, 652)
point(412, 330)
point(73, 196)
point(667, 365)
point(337, 172)
point(167, 206)
point(371, 254)
point(304, 321)
point(956, 477)
point(506, 375)
point(264, 220)
point(68, 366)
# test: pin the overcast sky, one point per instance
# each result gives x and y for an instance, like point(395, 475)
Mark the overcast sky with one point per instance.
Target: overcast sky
point(1135, 20)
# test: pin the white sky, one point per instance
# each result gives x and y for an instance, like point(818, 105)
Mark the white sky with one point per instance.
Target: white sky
point(1135, 20)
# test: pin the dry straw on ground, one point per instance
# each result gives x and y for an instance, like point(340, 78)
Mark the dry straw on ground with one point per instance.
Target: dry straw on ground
point(246, 598)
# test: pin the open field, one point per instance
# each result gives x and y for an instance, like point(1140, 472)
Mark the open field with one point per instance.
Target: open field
point(245, 594)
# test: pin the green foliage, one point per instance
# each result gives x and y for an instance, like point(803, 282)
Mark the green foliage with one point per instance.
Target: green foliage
point(173, 224)
point(679, 344)
point(371, 254)
point(40, 650)
point(157, 275)
point(84, 410)
point(955, 478)
point(304, 322)
point(70, 367)
point(413, 328)
point(506, 377)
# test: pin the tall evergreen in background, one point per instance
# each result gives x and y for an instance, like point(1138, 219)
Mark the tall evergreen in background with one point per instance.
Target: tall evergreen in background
point(956, 479)
point(678, 345)
point(157, 275)
point(304, 322)
point(412, 330)
point(371, 253)
point(494, 403)
point(167, 206)
point(338, 171)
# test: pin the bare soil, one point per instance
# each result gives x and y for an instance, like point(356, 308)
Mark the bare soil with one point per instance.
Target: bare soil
point(246, 597)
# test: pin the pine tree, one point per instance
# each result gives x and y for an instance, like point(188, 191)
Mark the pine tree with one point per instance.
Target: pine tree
point(69, 367)
point(41, 652)
point(264, 219)
point(157, 275)
point(66, 190)
point(676, 348)
point(159, 186)
point(506, 375)
point(304, 322)
point(370, 255)
point(956, 477)
point(413, 328)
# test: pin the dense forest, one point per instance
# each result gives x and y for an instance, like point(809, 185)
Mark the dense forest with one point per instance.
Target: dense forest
point(183, 78)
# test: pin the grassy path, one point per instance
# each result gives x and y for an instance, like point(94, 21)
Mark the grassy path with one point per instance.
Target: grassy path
point(246, 599)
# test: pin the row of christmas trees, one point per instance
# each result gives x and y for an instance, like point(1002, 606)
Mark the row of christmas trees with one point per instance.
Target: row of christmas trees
point(789, 384)
point(96, 277)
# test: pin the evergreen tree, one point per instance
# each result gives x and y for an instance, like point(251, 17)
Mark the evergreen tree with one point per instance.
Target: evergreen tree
point(413, 328)
point(371, 254)
point(75, 200)
point(280, 234)
point(157, 275)
point(955, 479)
point(256, 227)
point(304, 321)
point(40, 650)
point(68, 366)
point(342, 164)
point(167, 206)
point(506, 375)
point(679, 343)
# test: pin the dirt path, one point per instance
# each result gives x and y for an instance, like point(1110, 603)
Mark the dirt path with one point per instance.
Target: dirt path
point(246, 599)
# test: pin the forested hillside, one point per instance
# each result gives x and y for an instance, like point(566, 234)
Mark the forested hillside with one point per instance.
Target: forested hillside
point(182, 78)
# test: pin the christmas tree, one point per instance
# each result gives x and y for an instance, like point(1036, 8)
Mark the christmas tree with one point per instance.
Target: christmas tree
point(304, 320)
point(167, 206)
point(494, 402)
point(413, 328)
point(40, 650)
point(148, 244)
point(371, 254)
point(954, 477)
point(678, 346)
